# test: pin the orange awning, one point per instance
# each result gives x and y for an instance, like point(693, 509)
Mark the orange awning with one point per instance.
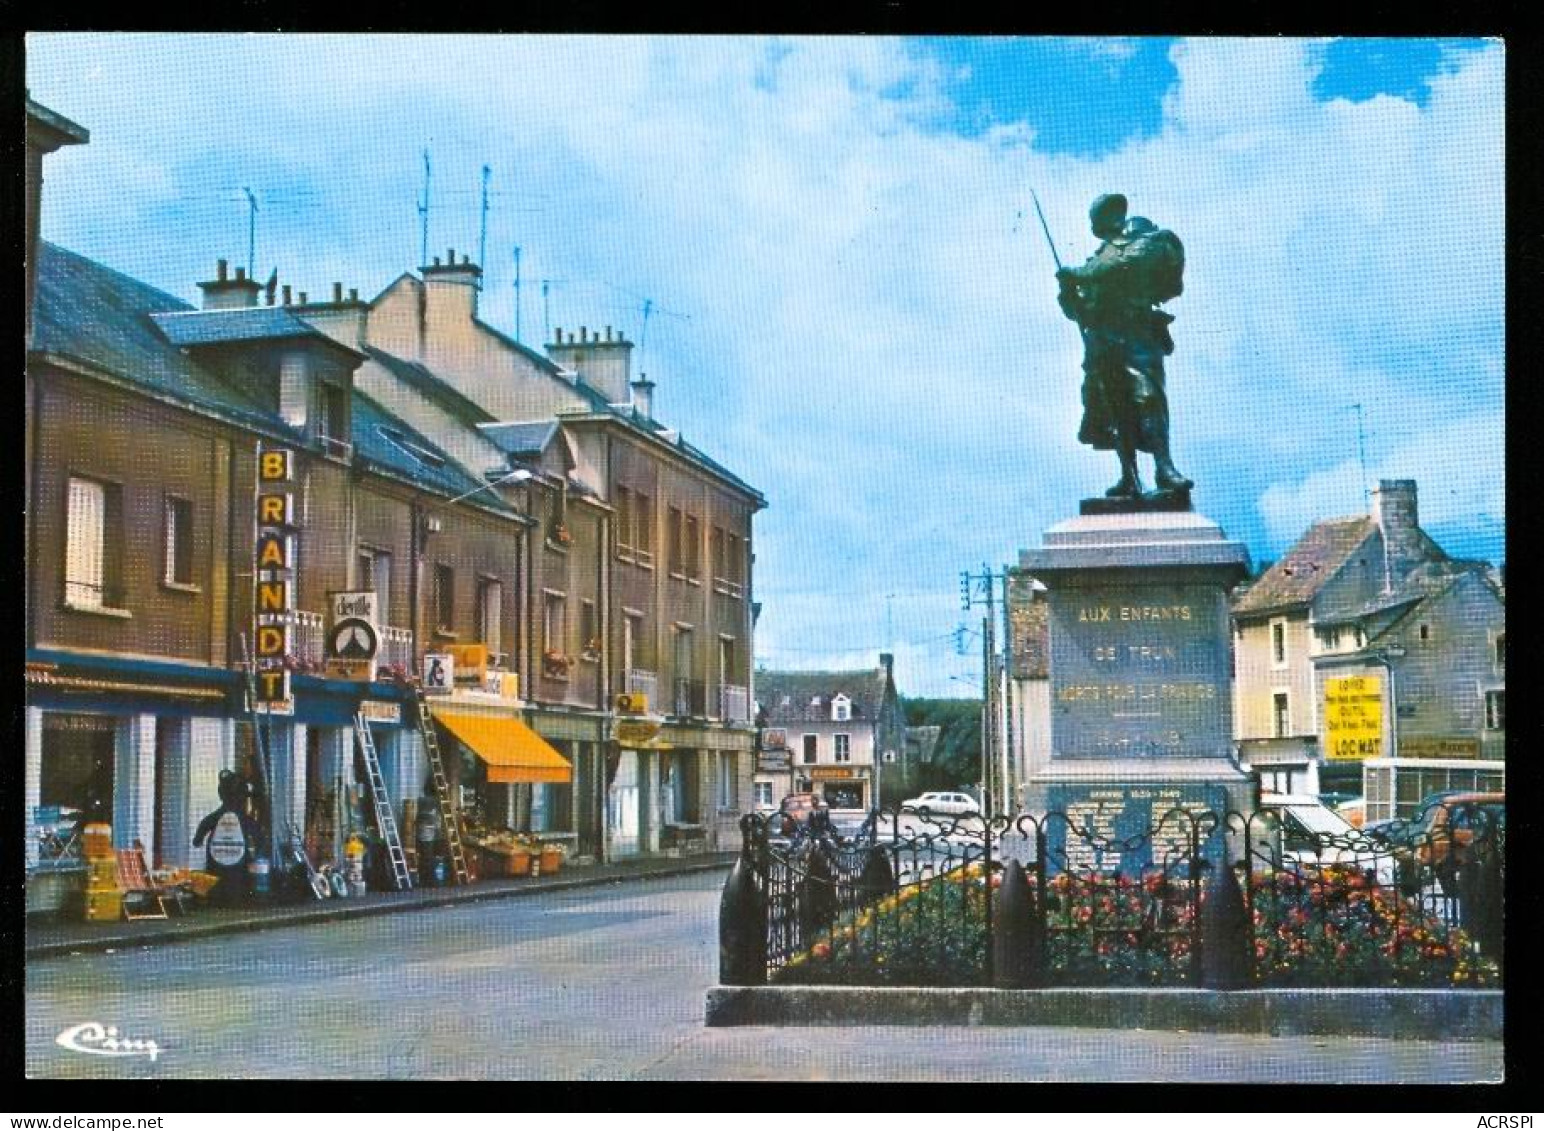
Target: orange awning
point(515, 753)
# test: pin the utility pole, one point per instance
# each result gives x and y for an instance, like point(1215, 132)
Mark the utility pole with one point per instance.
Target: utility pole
point(975, 589)
point(1010, 786)
point(482, 237)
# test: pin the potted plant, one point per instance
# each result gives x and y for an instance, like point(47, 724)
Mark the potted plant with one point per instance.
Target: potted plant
point(555, 663)
point(552, 855)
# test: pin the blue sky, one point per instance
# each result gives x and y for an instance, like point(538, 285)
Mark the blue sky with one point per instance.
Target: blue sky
point(856, 308)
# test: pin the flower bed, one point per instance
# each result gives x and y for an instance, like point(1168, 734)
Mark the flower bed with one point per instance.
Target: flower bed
point(1335, 930)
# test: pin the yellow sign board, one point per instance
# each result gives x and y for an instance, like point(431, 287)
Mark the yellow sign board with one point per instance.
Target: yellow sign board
point(833, 773)
point(1353, 718)
point(635, 732)
point(1424, 746)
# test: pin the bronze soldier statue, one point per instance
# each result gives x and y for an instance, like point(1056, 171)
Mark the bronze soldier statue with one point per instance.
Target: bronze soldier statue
point(1115, 299)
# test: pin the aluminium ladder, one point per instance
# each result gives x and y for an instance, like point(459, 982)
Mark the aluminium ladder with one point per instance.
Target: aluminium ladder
point(450, 820)
point(385, 822)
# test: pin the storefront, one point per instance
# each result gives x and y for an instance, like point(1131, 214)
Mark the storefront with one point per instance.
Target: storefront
point(843, 787)
point(1395, 787)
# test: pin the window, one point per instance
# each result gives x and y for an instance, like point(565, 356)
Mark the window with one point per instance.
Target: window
point(490, 616)
point(1495, 709)
point(374, 574)
point(763, 795)
point(93, 545)
point(624, 520)
point(888, 756)
point(811, 741)
point(632, 633)
point(1278, 644)
point(841, 709)
point(1425, 633)
point(179, 541)
point(643, 529)
point(1501, 650)
point(444, 599)
point(676, 547)
point(728, 781)
point(843, 747)
point(554, 627)
point(1279, 715)
point(589, 630)
point(693, 548)
point(333, 420)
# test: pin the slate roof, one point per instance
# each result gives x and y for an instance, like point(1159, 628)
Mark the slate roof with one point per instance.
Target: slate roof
point(385, 443)
point(1304, 569)
point(92, 314)
point(865, 688)
point(526, 440)
point(423, 381)
point(1430, 579)
point(540, 360)
point(245, 324)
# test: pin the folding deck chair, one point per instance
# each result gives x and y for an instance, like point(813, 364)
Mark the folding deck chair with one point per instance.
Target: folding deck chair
point(136, 884)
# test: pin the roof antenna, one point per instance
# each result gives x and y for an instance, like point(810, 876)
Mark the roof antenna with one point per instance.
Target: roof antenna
point(423, 212)
point(251, 233)
point(1361, 448)
point(482, 238)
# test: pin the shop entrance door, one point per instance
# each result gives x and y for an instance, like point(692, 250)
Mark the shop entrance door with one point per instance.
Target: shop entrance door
point(622, 807)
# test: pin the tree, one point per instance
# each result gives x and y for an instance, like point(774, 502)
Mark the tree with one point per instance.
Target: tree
point(957, 757)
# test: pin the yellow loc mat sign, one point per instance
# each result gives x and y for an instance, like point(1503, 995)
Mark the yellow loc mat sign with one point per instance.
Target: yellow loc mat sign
point(1353, 717)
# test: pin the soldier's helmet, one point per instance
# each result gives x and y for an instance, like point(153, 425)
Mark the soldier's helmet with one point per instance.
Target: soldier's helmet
point(1107, 214)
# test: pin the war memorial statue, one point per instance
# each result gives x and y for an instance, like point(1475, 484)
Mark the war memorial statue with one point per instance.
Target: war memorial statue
point(1115, 298)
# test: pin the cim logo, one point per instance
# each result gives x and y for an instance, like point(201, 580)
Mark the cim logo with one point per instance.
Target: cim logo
point(104, 1040)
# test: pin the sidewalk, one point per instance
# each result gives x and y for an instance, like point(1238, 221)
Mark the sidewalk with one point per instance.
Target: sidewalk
point(51, 938)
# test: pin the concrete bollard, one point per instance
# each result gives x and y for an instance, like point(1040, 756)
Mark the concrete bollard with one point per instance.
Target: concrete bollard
point(817, 896)
point(1018, 933)
point(878, 878)
point(742, 929)
point(1480, 899)
point(1226, 943)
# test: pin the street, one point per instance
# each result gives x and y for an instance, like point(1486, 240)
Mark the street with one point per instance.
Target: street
point(592, 984)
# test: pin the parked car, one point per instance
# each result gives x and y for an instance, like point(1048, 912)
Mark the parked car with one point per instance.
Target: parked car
point(1442, 834)
point(948, 804)
point(798, 809)
point(1314, 836)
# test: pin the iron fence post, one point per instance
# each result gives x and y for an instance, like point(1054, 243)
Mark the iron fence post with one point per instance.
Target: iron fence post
point(1226, 952)
point(742, 929)
point(1018, 953)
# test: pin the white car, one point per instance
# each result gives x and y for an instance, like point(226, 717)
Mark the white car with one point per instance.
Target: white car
point(1314, 835)
point(947, 804)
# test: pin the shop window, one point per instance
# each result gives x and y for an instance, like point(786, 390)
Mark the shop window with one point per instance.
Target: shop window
point(490, 616)
point(1280, 722)
point(1495, 709)
point(843, 748)
point(811, 743)
point(93, 545)
point(179, 541)
point(728, 781)
point(77, 763)
point(444, 599)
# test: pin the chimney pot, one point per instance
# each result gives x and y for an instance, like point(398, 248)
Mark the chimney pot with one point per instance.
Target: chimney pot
point(559, 337)
point(302, 298)
point(219, 270)
point(450, 258)
point(286, 294)
point(584, 333)
point(337, 292)
point(608, 333)
point(241, 274)
point(353, 294)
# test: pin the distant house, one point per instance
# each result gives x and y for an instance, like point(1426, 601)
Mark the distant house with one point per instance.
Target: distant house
point(1367, 660)
point(839, 734)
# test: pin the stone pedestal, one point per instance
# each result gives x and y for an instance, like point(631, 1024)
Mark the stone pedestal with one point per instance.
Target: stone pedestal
point(1141, 704)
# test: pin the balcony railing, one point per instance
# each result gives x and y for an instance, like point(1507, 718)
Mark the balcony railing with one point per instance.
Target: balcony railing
point(307, 636)
point(691, 698)
point(645, 683)
point(734, 703)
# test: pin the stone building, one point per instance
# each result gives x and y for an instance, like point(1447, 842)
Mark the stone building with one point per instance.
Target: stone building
point(1368, 661)
point(844, 734)
point(1028, 682)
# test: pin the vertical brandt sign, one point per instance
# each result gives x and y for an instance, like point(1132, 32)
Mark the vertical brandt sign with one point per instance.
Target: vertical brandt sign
point(274, 577)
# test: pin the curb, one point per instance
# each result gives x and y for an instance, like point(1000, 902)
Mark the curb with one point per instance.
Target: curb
point(1399, 1014)
point(338, 911)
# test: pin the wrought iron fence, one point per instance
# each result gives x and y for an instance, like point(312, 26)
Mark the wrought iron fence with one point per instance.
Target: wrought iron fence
point(1222, 900)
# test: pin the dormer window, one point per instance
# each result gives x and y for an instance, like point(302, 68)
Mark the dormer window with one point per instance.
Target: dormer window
point(841, 709)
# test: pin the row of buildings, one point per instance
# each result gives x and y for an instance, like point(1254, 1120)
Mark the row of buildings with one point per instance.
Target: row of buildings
point(521, 513)
point(1366, 662)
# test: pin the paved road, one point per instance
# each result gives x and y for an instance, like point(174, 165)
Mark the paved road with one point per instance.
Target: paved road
point(593, 984)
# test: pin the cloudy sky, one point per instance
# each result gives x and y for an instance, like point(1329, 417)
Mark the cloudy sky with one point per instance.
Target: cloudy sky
point(853, 303)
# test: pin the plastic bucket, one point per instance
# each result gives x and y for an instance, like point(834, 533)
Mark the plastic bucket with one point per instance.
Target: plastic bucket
point(97, 841)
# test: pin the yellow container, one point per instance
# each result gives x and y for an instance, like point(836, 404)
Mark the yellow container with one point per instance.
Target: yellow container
point(97, 841)
point(551, 860)
point(103, 906)
point(519, 862)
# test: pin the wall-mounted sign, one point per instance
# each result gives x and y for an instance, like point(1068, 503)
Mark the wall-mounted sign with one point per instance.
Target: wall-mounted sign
point(506, 685)
point(439, 673)
point(635, 732)
point(471, 663)
point(353, 641)
point(1353, 718)
point(377, 711)
point(273, 595)
point(1422, 746)
point(833, 773)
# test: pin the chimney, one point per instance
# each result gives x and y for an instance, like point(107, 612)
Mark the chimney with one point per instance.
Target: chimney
point(286, 289)
point(887, 661)
point(450, 293)
point(1404, 546)
point(337, 292)
point(603, 364)
point(225, 293)
point(643, 395)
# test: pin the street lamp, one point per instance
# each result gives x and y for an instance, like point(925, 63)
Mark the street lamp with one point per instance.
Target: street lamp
point(1385, 656)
